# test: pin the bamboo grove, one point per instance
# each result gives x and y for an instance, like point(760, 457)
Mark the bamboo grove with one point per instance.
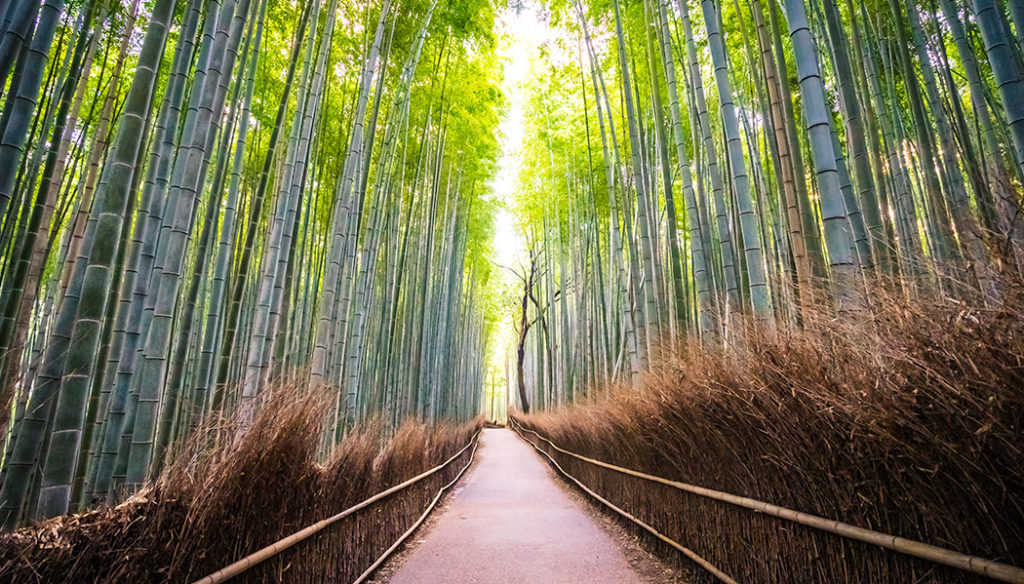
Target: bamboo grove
point(200, 197)
point(692, 165)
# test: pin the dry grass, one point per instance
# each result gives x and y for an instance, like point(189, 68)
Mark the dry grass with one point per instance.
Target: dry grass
point(907, 422)
point(216, 505)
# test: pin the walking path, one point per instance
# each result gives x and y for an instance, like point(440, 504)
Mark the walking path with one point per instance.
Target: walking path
point(509, 522)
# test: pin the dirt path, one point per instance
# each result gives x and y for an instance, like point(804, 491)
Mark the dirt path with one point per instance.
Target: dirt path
point(509, 522)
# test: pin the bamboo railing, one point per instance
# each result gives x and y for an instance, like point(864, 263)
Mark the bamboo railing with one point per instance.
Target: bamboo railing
point(974, 564)
point(717, 573)
point(283, 544)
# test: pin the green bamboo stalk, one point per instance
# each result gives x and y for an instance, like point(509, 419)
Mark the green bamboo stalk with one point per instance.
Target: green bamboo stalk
point(818, 122)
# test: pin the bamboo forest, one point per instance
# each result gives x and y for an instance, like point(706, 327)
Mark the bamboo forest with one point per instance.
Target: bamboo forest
point(626, 291)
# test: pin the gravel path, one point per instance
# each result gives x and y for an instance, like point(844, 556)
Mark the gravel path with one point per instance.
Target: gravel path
point(509, 522)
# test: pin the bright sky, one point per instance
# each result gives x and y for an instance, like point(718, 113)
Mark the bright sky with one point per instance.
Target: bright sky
point(522, 34)
point(524, 31)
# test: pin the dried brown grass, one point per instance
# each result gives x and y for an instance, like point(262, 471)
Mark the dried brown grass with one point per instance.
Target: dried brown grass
point(218, 504)
point(907, 421)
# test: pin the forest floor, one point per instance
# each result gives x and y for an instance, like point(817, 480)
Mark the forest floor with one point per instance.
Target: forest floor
point(511, 521)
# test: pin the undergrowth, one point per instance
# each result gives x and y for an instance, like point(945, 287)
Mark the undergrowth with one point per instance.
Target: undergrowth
point(906, 420)
point(214, 506)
